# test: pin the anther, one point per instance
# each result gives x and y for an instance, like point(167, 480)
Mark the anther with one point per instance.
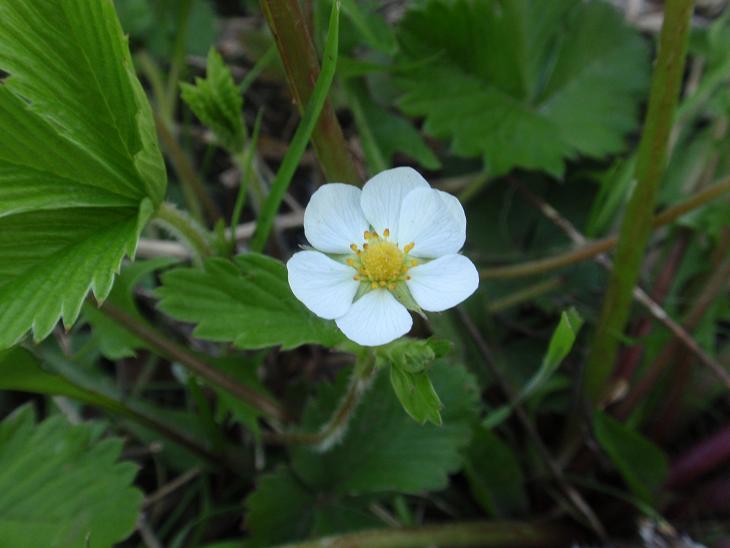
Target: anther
point(374, 285)
point(350, 262)
point(356, 278)
point(353, 247)
point(364, 246)
point(408, 247)
point(386, 232)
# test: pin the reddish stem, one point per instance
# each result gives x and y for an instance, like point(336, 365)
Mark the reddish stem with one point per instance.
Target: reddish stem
point(700, 459)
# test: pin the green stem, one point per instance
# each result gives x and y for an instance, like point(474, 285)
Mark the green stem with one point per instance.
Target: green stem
point(637, 222)
point(471, 533)
point(245, 164)
point(174, 352)
point(178, 57)
point(251, 76)
point(592, 249)
point(185, 228)
point(333, 429)
point(528, 293)
point(193, 188)
point(302, 135)
point(299, 57)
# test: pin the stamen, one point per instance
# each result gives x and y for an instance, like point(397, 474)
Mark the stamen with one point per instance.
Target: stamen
point(353, 247)
point(408, 278)
point(350, 262)
point(374, 285)
point(364, 246)
point(407, 248)
point(356, 277)
point(386, 232)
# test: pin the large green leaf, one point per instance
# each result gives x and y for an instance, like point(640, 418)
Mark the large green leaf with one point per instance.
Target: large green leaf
point(62, 486)
point(384, 449)
point(523, 83)
point(80, 169)
point(246, 301)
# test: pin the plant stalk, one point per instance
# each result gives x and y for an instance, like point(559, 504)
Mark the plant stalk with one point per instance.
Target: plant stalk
point(305, 130)
point(299, 57)
point(334, 428)
point(593, 249)
point(173, 351)
point(637, 222)
point(185, 228)
point(475, 533)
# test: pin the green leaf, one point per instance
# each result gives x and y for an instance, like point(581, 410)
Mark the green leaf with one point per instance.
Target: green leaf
point(246, 301)
point(415, 392)
point(560, 345)
point(384, 133)
point(113, 341)
point(283, 509)
point(494, 475)
point(80, 169)
point(244, 370)
point(62, 485)
point(216, 101)
point(566, 80)
point(385, 450)
point(642, 464)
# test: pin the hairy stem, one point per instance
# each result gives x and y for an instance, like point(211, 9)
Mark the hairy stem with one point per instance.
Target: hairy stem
point(335, 427)
point(471, 533)
point(305, 130)
point(185, 228)
point(296, 48)
point(173, 351)
point(637, 222)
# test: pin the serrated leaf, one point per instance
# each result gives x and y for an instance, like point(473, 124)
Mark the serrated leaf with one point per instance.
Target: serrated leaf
point(62, 485)
point(416, 394)
point(80, 169)
point(246, 301)
point(115, 342)
point(566, 80)
point(217, 102)
point(384, 449)
point(642, 464)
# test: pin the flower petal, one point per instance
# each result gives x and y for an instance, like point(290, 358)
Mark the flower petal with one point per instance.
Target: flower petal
point(333, 219)
point(382, 197)
point(432, 221)
point(375, 318)
point(443, 283)
point(325, 286)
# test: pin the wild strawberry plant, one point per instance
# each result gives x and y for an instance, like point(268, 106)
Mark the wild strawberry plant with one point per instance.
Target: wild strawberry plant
point(414, 332)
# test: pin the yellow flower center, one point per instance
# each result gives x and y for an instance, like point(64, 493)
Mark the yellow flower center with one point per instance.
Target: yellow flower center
point(380, 261)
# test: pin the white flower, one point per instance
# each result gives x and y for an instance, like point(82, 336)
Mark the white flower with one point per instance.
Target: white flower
point(396, 241)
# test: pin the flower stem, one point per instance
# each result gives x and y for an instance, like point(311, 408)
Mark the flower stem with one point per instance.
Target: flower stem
point(305, 130)
point(296, 48)
point(470, 533)
point(636, 226)
point(333, 429)
point(592, 249)
point(184, 228)
point(173, 351)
